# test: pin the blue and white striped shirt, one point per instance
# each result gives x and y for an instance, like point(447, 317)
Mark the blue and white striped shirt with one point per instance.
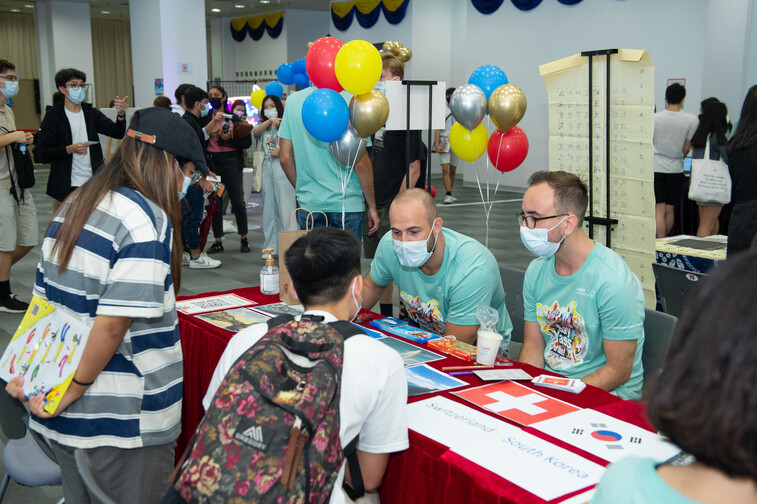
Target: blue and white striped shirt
point(121, 267)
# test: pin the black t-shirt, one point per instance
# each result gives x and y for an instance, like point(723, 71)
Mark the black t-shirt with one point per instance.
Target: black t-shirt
point(389, 167)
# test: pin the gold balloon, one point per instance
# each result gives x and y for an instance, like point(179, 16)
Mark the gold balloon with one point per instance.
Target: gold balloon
point(405, 54)
point(507, 105)
point(397, 50)
point(310, 44)
point(368, 112)
point(389, 46)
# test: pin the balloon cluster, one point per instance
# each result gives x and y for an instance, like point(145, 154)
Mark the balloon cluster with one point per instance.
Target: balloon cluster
point(334, 66)
point(293, 73)
point(395, 47)
point(488, 90)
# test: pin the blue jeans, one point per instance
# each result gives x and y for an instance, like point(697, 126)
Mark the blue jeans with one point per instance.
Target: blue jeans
point(353, 221)
point(192, 204)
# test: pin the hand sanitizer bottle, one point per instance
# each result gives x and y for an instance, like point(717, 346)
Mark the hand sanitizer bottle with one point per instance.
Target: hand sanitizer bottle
point(269, 275)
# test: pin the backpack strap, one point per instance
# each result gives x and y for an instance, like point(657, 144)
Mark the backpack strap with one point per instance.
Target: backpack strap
point(357, 489)
point(346, 329)
point(280, 320)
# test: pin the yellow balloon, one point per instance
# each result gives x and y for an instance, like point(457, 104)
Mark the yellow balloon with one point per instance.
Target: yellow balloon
point(466, 144)
point(358, 66)
point(256, 98)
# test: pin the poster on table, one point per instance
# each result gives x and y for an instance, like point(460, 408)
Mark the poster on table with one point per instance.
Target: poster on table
point(234, 320)
point(46, 350)
point(542, 468)
point(212, 303)
point(425, 379)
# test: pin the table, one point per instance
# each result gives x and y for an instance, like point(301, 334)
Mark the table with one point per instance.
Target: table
point(687, 258)
point(427, 471)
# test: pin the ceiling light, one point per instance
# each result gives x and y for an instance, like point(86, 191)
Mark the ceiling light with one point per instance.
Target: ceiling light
point(29, 6)
point(265, 1)
point(215, 10)
point(15, 10)
point(239, 6)
point(104, 12)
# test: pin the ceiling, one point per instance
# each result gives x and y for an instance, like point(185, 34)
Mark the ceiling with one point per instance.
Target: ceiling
point(119, 9)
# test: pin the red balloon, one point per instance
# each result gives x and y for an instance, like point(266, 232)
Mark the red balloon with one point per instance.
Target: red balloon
point(508, 150)
point(432, 190)
point(319, 63)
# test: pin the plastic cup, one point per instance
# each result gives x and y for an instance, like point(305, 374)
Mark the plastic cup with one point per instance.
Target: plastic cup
point(487, 347)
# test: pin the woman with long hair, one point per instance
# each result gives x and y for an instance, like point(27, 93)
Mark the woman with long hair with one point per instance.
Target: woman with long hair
point(713, 127)
point(742, 164)
point(111, 259)
point(277, 192)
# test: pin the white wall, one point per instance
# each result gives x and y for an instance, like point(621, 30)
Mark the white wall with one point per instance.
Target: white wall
point(147, 63)
point(304, 26)
point(750, 58)
point(251, 55)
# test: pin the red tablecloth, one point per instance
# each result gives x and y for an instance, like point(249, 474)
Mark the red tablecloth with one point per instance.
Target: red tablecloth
point(428, 471)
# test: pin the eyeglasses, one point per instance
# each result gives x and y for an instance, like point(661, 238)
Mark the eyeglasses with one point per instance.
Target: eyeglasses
point(194, 176)
point(531, 221)
point(73, 86)
point(10, 78)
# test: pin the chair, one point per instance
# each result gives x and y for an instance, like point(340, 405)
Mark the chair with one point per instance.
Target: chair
point(27, 457)
point(658, 329)
point(512, 281)
point(674, 286)
point(89, 476)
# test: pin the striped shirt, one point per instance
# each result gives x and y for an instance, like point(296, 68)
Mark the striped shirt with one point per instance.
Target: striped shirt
point(121, 266)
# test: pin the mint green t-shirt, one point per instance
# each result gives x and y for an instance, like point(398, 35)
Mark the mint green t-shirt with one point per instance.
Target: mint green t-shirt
point(469, 275)
point(318, 173)
point(635, 480)
point(602, 300)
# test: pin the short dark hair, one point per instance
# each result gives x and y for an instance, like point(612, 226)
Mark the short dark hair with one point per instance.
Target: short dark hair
point(192, 95)
point(162, 101)
point(67, 74)
point(675, 94)
point(571, 194)
point(705, 400)
point(179, 93)
point(6, 65)
point(276, 101)
point(322, 265)
point(449, 92)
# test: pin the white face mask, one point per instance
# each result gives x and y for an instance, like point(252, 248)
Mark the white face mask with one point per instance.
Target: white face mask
point(412, 254)
point(239, 113)
point(271, 113)
point(354, 298)
point(537, 241)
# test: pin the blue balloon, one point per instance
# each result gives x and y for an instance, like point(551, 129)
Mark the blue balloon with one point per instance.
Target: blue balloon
point(285, 73)
point(488, 78)
point(274, 88)
point(299, 66)
point(301, 80)
point(325, 114)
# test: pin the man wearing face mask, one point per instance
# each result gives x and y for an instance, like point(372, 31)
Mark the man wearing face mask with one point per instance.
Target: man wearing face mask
point(325, 269)
point(583, 307)
point(19, 229)
point(64, 136)
point(442, 275)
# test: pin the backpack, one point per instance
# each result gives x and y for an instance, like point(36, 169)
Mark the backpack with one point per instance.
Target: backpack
point(271, 433)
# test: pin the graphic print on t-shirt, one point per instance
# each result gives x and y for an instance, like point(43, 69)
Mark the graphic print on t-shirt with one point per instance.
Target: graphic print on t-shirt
point(426, 315)
point(567, 341)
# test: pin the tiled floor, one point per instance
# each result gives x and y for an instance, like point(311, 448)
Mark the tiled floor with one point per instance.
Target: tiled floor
point(242, 270)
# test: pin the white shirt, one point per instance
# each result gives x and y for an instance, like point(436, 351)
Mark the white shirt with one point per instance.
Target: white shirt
point(671, 130)
point(373, 397)
point(81, 167)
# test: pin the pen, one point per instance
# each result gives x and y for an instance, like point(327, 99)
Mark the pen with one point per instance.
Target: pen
point(465, 368)
point(461, 373)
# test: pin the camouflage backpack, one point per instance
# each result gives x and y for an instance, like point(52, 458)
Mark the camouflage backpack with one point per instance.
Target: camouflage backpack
point(271, 433)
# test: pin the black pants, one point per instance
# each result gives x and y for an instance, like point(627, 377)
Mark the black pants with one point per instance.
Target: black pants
point(229, 166)
point(743, 227)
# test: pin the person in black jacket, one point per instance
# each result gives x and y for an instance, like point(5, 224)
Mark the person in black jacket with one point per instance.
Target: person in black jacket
point(67, 127)
point(742, 164)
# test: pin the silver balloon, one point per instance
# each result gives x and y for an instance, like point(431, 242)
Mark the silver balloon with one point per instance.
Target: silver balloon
point(468, 105)
point(348, 149)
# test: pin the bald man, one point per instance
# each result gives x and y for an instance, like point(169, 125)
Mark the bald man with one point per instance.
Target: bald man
point(442, 275)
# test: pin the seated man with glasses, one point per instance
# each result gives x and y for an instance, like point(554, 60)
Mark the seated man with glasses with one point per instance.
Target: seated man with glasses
point(583, 307)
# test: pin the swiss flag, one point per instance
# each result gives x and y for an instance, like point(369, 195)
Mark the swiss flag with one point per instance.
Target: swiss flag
point(516, 402)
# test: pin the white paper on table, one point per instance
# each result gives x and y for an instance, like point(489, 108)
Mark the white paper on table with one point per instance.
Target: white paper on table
point(581, 498)
point(533, 464)
point(212, 303)
point(607, 437)
point(502, 374)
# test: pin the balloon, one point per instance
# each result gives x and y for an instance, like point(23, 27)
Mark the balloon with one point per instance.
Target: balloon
point(468, 105)
point(432, 191)
point(468, 145)
point(256, 98)
point(368, 112)
point(348, 148)
point(325, 114)
point(508, 150)
point(358, 66)
point(301, 80)
point(320, 62)
point(507, 104)
point(274, 88)
point(310, 44)
point(405, 54)
point(488, 78)
point(285, 73)
point(389, 46)
point(299, 66)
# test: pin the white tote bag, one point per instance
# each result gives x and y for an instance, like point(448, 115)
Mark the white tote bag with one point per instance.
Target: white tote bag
point(710, 180)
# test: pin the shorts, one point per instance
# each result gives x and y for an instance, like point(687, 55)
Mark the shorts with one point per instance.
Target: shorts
point(449, 158)
point(371, 242)
point(668, 188)
point(18, 222)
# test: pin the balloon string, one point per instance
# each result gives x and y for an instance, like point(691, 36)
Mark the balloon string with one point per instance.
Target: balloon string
point(481, 192)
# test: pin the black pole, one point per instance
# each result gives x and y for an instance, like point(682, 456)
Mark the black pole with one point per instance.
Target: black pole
point(608, 234)
point(591, 145)
point(409, 84)
point(407, 139)
point(428, 151)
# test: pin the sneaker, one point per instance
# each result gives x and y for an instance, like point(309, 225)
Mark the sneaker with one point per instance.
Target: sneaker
point(245, 246)
point(13, 305)
point(215, 248)
point(203, 262)
point(185, 257)
point(449, 199)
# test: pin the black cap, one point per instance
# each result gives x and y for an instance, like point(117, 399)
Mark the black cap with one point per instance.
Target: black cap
point(165, 130)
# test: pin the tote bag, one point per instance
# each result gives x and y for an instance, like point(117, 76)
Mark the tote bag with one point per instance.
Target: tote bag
point(710, 180)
